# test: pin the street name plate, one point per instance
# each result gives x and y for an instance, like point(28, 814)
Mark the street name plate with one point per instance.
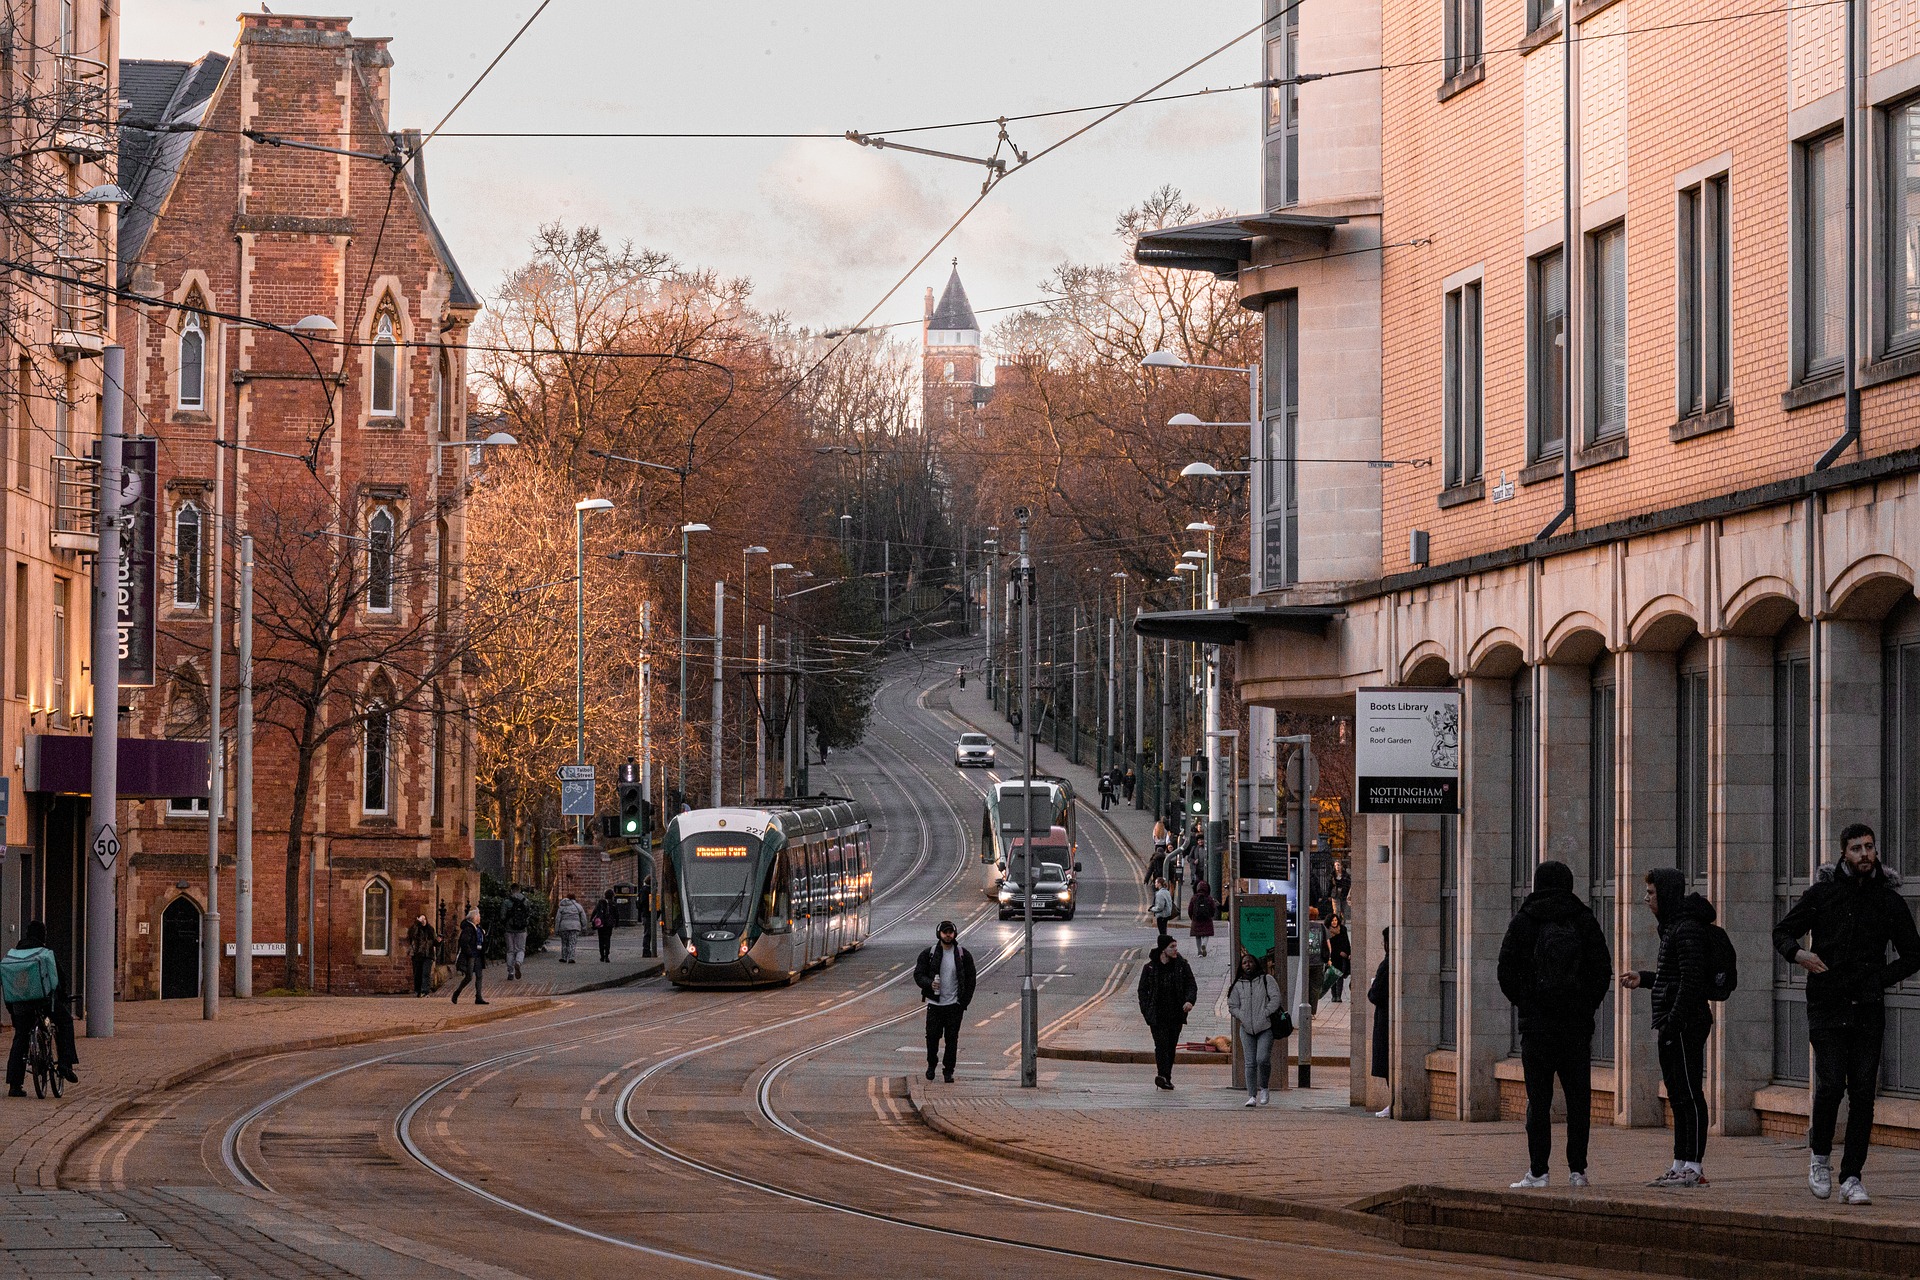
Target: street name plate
point(576, 797)
point(576, 773)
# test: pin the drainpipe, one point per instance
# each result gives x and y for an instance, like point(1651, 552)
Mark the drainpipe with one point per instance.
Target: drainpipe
point(1850, 381)
point(1569, 274)
point(1814, 701)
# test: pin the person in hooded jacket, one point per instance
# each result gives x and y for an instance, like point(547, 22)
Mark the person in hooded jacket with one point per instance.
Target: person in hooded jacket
point(1681, 1018)
point(1167, 994)
point(1854, 912)
point(1555, 969)
point(1254, 1000)
point(1202, 910)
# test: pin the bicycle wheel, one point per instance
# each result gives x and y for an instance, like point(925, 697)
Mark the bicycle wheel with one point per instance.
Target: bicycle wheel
point(39, 1061)
point(52, 1061)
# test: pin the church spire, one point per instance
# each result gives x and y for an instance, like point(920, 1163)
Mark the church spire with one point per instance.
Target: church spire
point(954, 314)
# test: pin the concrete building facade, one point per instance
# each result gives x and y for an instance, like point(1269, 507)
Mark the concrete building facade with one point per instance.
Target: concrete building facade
point(1713, 660)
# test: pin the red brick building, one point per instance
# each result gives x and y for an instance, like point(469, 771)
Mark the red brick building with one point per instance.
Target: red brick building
point(325, 450)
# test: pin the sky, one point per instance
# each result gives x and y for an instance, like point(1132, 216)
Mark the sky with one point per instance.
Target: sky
point(821, 227)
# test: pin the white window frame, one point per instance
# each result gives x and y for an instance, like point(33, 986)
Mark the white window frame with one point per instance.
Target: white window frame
point(1464, 383)
point(1463, 42)
point(1805, 234)
point(385, 889)
point(384, 377)
point(380, 713)
point(1596, 335)
point(192, 580)
point(1541, 349)
point(1703, 295)
point(1895, 252)
point(191, 332)
point(380, 552)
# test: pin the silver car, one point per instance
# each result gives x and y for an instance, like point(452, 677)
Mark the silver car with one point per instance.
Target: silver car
point(974, 750)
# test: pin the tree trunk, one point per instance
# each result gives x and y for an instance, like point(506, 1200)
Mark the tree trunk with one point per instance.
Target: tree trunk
point(296, 825)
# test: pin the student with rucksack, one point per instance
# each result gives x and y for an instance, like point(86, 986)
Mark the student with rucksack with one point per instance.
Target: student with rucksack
point(1696, 966)
point(1555, 969)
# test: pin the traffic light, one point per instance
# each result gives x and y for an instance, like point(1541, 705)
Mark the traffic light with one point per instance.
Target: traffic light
point(1197, 786)
point(609, 826)
point(633, 811)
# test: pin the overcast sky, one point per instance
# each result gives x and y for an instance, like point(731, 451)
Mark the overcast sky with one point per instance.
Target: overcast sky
point(823, 227)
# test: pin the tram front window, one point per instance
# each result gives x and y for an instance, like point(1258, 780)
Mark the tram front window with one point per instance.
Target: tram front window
point(719, 874)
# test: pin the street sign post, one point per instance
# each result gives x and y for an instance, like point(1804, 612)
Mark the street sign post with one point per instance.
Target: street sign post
point(576, 791)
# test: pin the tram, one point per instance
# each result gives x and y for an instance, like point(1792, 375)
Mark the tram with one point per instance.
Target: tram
point(754, 896)
point(1003, 824)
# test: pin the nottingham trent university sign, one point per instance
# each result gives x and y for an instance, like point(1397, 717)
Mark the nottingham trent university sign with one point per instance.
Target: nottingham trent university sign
point(1407, 752)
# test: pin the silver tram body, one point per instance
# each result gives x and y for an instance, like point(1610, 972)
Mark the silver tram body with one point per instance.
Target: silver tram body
point(760, 895)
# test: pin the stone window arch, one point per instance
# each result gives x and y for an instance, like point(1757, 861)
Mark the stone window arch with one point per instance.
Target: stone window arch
point(376, 917)
point(385, 379)
point(376, 752)
point(193, 359)
point(188, 541)
point(380, 528)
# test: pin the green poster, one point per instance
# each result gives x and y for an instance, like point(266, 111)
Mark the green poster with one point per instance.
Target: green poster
point(1256, 930)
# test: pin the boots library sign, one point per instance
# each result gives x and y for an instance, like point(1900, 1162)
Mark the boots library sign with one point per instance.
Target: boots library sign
point(1407, 752)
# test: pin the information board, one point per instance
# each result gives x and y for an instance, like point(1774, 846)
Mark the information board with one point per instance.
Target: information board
point(1407, 754)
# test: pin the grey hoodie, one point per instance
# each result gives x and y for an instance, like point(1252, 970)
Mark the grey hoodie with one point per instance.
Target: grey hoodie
point(570, 918)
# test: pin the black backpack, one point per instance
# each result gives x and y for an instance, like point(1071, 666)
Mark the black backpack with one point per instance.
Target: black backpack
point(1556, 960)
point(519, 914)
point(1723, 964)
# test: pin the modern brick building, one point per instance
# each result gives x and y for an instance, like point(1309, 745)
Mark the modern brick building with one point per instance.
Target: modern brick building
point(327, 449)
point(1713, 660)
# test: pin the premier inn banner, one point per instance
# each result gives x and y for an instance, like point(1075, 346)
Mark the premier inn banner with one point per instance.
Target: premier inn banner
point(139, 560)
point(1407, 757)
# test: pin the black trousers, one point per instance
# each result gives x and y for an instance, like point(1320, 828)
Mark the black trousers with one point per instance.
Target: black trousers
point(422, 975)
point(473, 977)
point(1683, 1055)
point(1166, 1038)
point(1565, 1053)
point(1846, 1063)
point(943, 1022)
point(606, 945)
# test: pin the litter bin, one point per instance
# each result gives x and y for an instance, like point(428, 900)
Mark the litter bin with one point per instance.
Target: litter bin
point(626, 904)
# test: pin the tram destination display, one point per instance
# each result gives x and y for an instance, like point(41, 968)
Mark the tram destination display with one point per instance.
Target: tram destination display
point(1407, 753)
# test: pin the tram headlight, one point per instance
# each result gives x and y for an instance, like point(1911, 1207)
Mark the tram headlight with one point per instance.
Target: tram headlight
point(744, 944)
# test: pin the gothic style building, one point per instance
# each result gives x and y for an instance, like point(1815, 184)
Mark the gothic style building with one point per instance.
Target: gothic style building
point(951, 389)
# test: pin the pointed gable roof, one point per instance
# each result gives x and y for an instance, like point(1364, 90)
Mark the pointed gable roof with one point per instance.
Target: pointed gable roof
point(955, 313)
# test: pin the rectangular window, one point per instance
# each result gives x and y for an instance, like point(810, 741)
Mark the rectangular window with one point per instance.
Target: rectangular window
point(1792, 864)
point(23, 424)
point(57, 709)
point(376, 914)
point(1520, 809)
point(1464, 400)
point(1281, 522)
point(1822, 250)
point(1703, 340)
point(1900, 848)
point(1547, 355)
point(1282, 147)
point(1606, 345)
point(22, 633)
point(1449, 933)
point(1690, 777)
point(1601, 728)
point(1541, 12)
point(187, 807)
point(375, 764)
point(1900, 231)
point(1462, 37)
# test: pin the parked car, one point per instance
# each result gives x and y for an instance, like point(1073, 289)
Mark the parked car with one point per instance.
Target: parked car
point(974, 750)
point(1053, 891)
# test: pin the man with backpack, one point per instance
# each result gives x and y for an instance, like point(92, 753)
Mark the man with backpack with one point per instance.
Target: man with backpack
point(1854, 912)
point(518, 917)
point(30, 985)
point(1696, 965)
point(1555, 969)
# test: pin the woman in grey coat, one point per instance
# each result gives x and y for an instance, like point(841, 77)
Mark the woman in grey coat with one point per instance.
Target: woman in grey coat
point(569, 921)
point(1254, 999)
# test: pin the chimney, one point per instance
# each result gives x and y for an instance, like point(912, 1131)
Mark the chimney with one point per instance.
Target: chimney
point(376, 65)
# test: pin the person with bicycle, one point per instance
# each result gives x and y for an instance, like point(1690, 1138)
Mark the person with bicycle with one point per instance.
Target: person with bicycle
point(30, 984)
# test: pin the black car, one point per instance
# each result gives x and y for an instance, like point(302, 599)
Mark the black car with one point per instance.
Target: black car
point(1055, 891)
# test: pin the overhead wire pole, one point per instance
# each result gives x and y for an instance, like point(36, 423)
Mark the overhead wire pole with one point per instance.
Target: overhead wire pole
point(104, 847)
point(1029, 995)
point(719, 673)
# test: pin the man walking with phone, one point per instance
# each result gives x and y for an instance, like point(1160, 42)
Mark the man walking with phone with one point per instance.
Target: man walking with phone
point(945, 975)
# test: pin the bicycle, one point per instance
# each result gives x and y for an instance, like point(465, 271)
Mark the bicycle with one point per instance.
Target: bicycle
point(42, 1063)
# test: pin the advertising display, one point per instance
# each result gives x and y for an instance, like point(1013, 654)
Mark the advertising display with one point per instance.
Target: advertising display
point(139, 561)
point(1407, 750)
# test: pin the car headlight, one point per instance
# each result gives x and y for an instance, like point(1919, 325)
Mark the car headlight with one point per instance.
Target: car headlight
point(1006, 895)
point(1066, 895)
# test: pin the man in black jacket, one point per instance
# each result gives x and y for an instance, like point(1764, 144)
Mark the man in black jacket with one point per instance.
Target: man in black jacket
point(1555, 969)
point(944, 973)
point(1854, 912)
point(1167, 995)
point(1681, 1019)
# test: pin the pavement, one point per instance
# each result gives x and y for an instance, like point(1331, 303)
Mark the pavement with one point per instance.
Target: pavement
point(159, 1044)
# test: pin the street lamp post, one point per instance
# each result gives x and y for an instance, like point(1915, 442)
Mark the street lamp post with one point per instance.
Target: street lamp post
point(1210, 598)
point(990, 548)
point(746, 654)
point(580, 510)
point(680, 772)
point(1029, 994)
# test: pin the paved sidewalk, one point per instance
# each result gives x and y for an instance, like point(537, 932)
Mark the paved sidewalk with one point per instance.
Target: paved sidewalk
point(546, 976)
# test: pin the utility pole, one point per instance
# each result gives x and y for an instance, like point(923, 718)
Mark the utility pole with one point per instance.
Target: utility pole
point(1139, 717)
point(1161, 755)
point(104, 847)
point(760, 717)
point(886, 584)
point(1029, 994)
point(1073, 742)
point(800, 716)
point(243, 789)
point(646, 705)
point(719, 690)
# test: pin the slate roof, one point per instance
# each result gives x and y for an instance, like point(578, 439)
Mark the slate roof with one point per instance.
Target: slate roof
point(955, 313)
point(157, 93)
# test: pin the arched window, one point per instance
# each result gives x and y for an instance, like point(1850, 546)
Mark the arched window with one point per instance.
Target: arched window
point(193, 362)
point(186, 720)
point(376, 918)
point(380, 561)
point(186, 556)
point(386, 366)
point(375, 761)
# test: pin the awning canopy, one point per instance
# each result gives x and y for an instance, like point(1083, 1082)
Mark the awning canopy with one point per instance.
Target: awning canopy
point(1221, 245)
point(1231, 626)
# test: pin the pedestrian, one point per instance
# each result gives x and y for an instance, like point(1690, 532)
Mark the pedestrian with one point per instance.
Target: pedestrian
point(1162, 907)
point(945, 975)
point(570, 921)
point(1157, 866)
point(1200, 915)
point(1106, 792)
point(1377, 995)
point(603, 917)
point(1854, 912)
point(961, 674)
point(1314, 950)
point(1160, 837)
point(1339, 958)
point(518, 917)
point(1342, 885)
point(647, 909)
point(1555, 969)
point(422, 942)
point(1681, 1019)
point(470, 956)
point(1127, 783)
point(30, 987)
point(1254, 1001)
point(1167, 993)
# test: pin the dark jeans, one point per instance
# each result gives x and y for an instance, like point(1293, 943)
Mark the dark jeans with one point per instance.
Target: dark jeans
point(943, 1020)
point(1683, 1054)
point(606, 945)
point(1166, 1038)
point(465, 978)
point(1846, 1063)
point(422, 975)
point(1565, 1052)
point(26, 1015)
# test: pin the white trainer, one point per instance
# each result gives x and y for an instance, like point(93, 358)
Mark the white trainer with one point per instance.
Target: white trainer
point(1263, 1097)
point(1530, 1182)
point(1853, 1193)
point(1819, 1178)
point(1384, 1113)
point(1253, 1100)
point(1578, 1180)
